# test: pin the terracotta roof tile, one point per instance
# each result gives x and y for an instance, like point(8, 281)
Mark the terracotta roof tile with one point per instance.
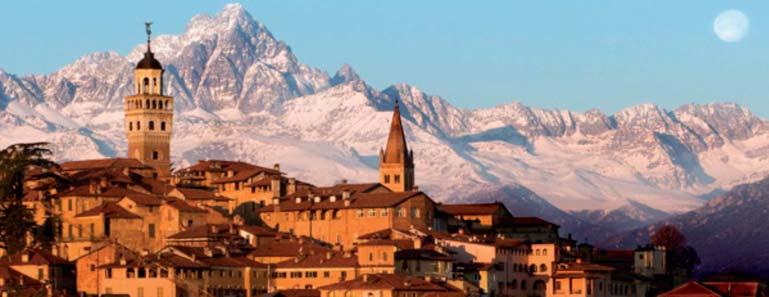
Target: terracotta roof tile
point(395, 282)
point(326, 259)
point(102, 163)
point(473, 209)
point(36, 257)
point(109, 210)
point(357, 200)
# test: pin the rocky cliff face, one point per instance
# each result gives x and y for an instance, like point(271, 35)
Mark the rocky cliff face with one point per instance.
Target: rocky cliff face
point(242, 94)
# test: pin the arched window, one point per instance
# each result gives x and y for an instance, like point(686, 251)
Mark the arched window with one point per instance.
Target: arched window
point(160, 104)
point(146, 85)
point(166, 105)
point(533, 268)
point(154, 85)
point(539, 285)
point(514, 284)
point(536, 252)
point(523, 284)
point(152, 125)
point(155, 155)
point(130, 126)
point(154, 104)
point(138, 125)
point(542, 268)
point(147, 103)
point(162, 126)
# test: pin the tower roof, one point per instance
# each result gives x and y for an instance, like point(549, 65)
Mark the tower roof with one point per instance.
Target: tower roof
point(396, 150)
point(149, 61)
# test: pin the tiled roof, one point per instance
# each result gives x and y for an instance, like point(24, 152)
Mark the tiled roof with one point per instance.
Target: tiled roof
point(421, 254)
point(85, 191)
point(717, 289)
point(326, 259)
point(36, 257)
point(199, 194)
point(396, 150)
point(110, 210)
point(581, 267)
point(144, 199)
point(183, 206)
point(102, 163)
point(525, 222)
point(399, 243)
point(12, 278)
point(295, 293)
point(473, 209)
point(211, 231)
point(395, 282)
point(336, 190)
point(258, 230)
point(156, 260)
point(287, 248)
point(357, 200)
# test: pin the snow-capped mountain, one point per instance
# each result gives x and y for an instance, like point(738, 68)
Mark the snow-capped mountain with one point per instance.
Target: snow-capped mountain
point(242, 94)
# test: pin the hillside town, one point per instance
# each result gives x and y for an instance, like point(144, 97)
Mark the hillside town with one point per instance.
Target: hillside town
point(136, 226)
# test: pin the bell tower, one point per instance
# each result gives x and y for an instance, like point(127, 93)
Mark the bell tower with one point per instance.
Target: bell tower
point(396, 162)
point(149, 115)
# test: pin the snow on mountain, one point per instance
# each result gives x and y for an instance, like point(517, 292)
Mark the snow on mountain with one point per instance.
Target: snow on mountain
point(242, 94)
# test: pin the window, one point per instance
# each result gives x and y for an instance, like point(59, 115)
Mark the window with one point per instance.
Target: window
point(536, 252)
point(544, 252)
point(359, 213)
point(326, 274)
point(372, 212)
point(151, 230)
point(138, 125)
point(40, 274)
point(414, 212)
point(162, 126)
point(557, 285)
point(387, 178)
point(397, 178)
point(542, 268)
point(296, 274)
point(92, 229)
point(343, 275)
point(140, 292)
point(160, 292)
point(130, 126)
point(237, 186)
point(311, 274)
point(371, 256)
point(384, 212)
point(79, 231)
point(69, 204)
point(401, 212)
point(384, 256)
point(152, 125)
point(523, 285)
point(108, 273)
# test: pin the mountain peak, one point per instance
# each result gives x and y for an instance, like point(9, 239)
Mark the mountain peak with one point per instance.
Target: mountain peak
point(344, 74)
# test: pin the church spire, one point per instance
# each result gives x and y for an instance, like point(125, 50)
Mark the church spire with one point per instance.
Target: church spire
point(148, 29)
point(396, 164)
point(397, 149)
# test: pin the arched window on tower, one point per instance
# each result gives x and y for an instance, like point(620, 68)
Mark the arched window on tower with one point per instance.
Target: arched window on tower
point(138, 125)
point(167, 107)
point(155, 155)
point(160, 104)
point(154, 85)
point(147, 104)
point(130, 126)
point(145, 90)
point(162, 126)
point(154, 104)
point(152, 125)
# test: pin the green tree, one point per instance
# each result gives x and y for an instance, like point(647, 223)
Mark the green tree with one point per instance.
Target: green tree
point(16, 221)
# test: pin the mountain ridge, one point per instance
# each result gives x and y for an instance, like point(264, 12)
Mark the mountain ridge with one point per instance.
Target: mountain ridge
point(240, 90)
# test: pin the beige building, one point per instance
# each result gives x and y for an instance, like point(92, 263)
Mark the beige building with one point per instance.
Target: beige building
point(390, 285)
point(149, 116)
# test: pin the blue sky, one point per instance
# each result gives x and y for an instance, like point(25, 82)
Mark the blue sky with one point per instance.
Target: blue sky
point(558, 54)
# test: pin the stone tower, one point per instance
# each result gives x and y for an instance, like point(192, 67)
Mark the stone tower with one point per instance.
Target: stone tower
point(149, 115)
point(396, 162)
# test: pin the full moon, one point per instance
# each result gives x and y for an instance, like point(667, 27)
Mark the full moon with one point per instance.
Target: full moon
point(731, 25)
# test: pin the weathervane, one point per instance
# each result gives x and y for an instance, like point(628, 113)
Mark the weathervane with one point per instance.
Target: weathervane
point(147, 26)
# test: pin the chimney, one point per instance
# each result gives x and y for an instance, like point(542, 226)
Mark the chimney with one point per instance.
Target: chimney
point(345, 195)
point(24, 257)
point(145, 252)
point(344, 181)
point(123, 262)
point(579, 261)
point(298, 200)
point(275, 186)
point(317, 199)
point(291, 186)
point(276, 167)
point(329, 255)
point(103, 182)
point(332, 198)
point(214, 229)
